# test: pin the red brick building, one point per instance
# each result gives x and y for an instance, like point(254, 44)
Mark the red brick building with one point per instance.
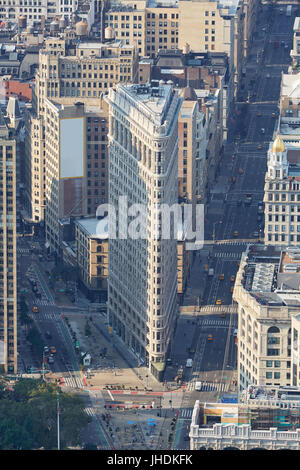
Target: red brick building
point(13, 87)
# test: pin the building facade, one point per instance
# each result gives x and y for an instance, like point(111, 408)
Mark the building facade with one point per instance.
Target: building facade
point(281, 195)
point(256, 425)
point(36, 10)
point(8, 260)
point(92, 256)
point(267, 293)
point(143, 152)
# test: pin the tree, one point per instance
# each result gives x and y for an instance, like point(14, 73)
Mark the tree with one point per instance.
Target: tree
point(28, 417)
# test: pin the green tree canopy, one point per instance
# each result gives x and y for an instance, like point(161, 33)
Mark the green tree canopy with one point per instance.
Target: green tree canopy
point(28, 416)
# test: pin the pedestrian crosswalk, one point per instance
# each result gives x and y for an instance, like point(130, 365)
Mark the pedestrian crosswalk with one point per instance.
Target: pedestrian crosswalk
point(218, 308)
point(72, 381)
point(44, 302)
point(186, 413)
point(212, 322)
point(234, 256)
point(209, 387)
point(90, 411)
point(23, 250)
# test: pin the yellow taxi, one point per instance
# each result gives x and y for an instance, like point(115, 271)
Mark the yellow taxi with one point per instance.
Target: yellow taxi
point(235, 233)
point(222, 277)
point(35, 309)
point(209, 338)
point(219, 302)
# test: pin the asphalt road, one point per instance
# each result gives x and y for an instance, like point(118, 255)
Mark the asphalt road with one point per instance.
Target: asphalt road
point(215, 361)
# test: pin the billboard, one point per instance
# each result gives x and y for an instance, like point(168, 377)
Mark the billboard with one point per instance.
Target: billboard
point(72, 147)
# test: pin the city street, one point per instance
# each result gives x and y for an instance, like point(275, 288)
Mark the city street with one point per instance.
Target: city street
point(157, 416)
point(229, 222)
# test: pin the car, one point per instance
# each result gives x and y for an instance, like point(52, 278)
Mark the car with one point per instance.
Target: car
point(51, 359)
point(255, 234)
point(222, 277)
point(268, 75)
point(248, 199)
point(52, 349)
point(235, 233)
point(232, 278)
point(259, 147)
point(260, 209)
point(198, 386)
point(209, 337)
point(219, 302)
point(273, 115)
point(259, 217)
point(240, 171)
point(35, 309)
point(262, 130)
point(189, 363)
point(223, 314)
point(231, 290)
point(259, 114)
point(48, 335)
point(46, 349)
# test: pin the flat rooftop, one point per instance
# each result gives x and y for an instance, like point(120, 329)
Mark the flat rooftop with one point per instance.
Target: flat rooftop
point(93, 227)
point(152, 97)
point(272, 275)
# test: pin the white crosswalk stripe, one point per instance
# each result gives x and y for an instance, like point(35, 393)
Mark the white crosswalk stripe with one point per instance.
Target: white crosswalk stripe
point(90, 411)
point(210, 322)
point(44, 302)
point(218, 308)
point(186, 413)
point(22, 250)
point(235, 256)
point(209, 387)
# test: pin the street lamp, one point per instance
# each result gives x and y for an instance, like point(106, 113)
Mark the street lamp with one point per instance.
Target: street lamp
point(58, 430)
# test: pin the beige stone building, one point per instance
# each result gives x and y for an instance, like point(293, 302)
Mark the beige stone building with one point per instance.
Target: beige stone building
point(92, 256)
point(143, 148)
point(267, 293)
point(191, 149)
point(8, 260)
point(212, 26)
point(281, 194)
point(64, 80)
point(35, 10)
point(149, 26)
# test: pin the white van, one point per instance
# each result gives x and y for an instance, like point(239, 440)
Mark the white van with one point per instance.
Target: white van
point(189, 363)
point(198, 386)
